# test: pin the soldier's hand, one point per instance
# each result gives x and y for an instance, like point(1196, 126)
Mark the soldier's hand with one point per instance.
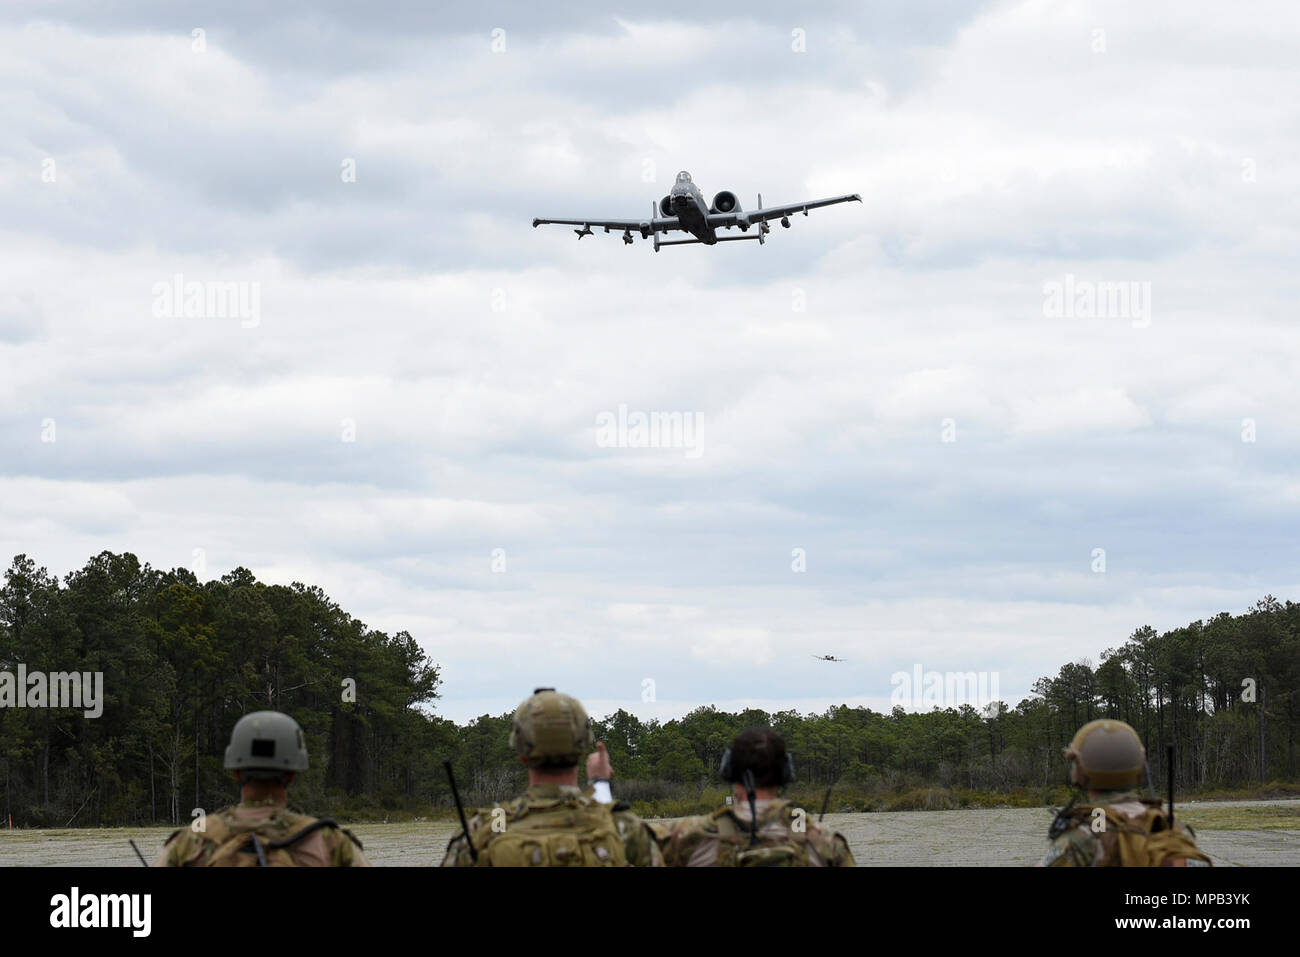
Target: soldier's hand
point(598, 766)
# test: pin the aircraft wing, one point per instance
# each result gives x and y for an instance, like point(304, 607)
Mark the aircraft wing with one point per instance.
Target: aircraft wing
point(744, 217)
point(643, 226)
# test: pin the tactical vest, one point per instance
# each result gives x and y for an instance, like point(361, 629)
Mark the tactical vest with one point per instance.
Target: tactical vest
point(564, 832)
point(772, 849)
point(244, 845)
point(1149, 840)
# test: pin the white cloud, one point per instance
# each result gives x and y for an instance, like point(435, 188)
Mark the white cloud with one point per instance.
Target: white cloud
point(994, 152)
point(1107, 408)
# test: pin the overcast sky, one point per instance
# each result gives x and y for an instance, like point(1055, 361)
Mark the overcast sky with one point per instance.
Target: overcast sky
point(418, 376)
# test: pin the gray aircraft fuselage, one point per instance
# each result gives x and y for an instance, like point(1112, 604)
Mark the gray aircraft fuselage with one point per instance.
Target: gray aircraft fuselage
point(684, 208)
point(692, 211)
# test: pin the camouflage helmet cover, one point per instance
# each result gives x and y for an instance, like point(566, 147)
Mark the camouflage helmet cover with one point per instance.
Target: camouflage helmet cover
point(266, 744)
point(551, 730)
point(1106, 755)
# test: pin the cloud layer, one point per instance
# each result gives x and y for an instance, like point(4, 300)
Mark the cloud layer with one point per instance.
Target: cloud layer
point(885, 399)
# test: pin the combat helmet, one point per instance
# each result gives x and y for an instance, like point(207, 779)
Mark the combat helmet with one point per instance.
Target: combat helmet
point(551, 730)
point(1106, 755)
point(266, 744)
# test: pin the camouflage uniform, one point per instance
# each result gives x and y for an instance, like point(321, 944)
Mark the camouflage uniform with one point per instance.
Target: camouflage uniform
point(1116, 827)
point(552, 824)
point(1082, 846)
point(327, 846)
point(552, 809)
point(786, 838)
point(265, 746)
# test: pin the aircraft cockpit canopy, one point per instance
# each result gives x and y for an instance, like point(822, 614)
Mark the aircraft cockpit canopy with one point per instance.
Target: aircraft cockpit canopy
point(683, 177)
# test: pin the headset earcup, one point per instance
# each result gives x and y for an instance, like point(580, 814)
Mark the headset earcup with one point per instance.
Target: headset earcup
point(724, 769)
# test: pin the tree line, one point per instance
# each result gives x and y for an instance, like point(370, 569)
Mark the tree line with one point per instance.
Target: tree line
point(182, 660)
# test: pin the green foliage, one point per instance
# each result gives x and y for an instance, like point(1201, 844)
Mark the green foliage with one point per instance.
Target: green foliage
point(183, 660)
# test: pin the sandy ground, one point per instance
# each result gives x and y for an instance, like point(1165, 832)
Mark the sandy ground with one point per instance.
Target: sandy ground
point(983, 838)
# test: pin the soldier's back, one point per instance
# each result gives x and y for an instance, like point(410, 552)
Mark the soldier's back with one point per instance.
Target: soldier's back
point(554, 826)
point(785, 838)
point(262, 834)
point(1121, 829)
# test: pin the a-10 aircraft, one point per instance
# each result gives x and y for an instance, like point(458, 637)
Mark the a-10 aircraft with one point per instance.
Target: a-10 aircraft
point(684, 209)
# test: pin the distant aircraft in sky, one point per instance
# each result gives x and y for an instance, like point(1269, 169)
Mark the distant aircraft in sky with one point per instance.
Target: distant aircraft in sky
point(684, 209)
point(828, 658)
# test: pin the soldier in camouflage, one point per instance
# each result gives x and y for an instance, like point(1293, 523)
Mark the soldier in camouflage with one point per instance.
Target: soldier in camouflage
point(758, 829)
point(266, 750)
point(1116, 827)
point(554, 823)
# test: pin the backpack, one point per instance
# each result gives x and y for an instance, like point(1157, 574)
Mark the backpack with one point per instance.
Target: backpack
point(735, 848)
point(567, 833)
point(240, 845)
point(1148, 840)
